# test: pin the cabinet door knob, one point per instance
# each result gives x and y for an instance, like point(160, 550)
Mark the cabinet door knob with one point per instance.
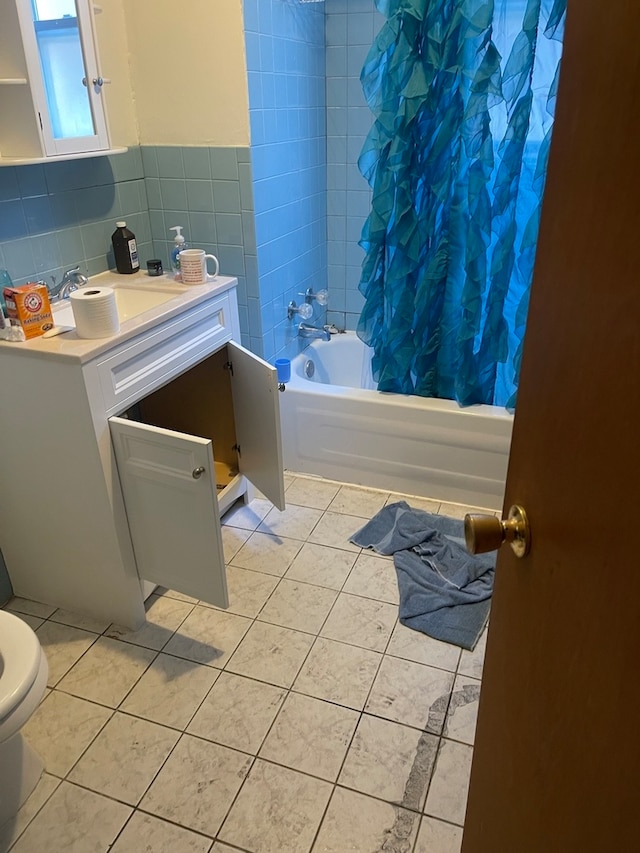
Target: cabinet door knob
point(97, 81)
point(197, 472)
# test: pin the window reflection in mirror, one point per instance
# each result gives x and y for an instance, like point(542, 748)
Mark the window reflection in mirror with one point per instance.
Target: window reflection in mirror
point(59, 47)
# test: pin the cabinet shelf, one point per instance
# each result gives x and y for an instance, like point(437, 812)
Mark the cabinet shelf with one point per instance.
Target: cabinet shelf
point(45, 65)
point(24, 161)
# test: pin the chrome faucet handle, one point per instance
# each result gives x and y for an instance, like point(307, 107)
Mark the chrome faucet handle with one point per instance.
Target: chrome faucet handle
point(72, 280)
point(53, 289)
point(321, 296)
point(305, 311)
point(75, 275)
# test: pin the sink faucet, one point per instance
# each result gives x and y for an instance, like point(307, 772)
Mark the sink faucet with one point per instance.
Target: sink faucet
point(307, 331)
point(71, 280)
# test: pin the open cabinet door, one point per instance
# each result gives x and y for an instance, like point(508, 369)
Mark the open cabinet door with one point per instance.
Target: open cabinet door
point(256, 410)
point(169, 489)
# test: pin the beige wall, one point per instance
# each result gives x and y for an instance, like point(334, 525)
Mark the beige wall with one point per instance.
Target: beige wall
point(187, 74)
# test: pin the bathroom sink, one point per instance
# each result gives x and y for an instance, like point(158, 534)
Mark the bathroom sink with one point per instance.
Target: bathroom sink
point(131, 300)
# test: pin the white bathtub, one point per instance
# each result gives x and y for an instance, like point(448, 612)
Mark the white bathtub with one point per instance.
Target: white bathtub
point(334, 428)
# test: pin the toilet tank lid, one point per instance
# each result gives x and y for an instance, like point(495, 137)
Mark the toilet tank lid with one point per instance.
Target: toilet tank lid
point(20, 653)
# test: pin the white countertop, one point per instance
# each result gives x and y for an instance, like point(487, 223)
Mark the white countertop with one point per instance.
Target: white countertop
point(69, 346)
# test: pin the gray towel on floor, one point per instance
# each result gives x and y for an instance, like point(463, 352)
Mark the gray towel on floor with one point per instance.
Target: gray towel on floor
point(445, 592)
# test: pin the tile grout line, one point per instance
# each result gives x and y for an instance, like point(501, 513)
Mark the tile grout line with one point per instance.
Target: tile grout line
point(182, 732)
point(253, 757)
point(288, 691)
point(137, 810)
point(420, 811)
point(355, 728)
point(112, 715)
point(37, 812)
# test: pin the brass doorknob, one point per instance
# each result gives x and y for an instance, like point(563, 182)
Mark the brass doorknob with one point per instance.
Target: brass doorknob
point(487, 533)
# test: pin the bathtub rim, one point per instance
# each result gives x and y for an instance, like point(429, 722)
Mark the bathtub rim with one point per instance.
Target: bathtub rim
point(302, 385)
point(427, 447)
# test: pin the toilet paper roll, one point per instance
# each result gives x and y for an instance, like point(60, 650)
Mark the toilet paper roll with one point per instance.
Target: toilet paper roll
point(95, 312)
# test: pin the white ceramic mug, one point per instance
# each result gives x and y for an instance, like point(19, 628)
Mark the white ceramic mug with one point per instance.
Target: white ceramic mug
point(193, 266)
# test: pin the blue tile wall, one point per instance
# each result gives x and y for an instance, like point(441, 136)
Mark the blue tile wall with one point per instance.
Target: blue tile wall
point(351, 26)
point(209, 192)
point(285, 45)
point(56, 215)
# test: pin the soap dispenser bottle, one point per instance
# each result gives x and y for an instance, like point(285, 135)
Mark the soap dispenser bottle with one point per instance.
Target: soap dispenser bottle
point(178, 245)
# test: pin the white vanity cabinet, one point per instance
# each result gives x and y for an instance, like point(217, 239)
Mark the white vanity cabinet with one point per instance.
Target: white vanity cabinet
point(51, 83)
point(117, 464)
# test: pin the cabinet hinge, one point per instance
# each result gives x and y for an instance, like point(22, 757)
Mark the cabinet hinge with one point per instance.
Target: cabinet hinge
point(236, 447)
point(228, 365)
point(40, 120)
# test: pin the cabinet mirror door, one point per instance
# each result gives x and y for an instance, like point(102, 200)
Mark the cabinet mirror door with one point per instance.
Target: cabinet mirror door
point(63, 71)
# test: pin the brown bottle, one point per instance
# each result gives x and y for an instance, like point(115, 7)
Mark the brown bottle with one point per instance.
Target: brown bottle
point(125, 249)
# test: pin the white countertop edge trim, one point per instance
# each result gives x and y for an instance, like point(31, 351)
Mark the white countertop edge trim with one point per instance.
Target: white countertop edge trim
point(69, 347)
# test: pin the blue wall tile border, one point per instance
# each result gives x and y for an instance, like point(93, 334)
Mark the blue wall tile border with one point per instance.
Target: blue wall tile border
point(207, 190)
point(285, 47)
point(57, 215)
point(350, 26)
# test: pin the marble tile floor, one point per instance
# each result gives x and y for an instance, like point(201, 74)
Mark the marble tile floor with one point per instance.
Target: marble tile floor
point(303, 718)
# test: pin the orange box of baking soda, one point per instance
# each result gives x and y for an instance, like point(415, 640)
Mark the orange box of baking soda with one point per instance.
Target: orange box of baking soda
point(29, 305)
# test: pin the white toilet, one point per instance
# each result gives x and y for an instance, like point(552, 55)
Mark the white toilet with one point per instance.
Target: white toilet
point(23, 678)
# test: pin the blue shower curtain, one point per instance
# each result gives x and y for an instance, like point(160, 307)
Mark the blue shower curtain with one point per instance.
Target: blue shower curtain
point(463, 94)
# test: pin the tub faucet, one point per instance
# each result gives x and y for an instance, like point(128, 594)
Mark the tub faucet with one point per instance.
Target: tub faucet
point(71, 280)
point(307, 331)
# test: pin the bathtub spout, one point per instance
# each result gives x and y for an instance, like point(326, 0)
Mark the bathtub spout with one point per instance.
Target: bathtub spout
point(307, 331)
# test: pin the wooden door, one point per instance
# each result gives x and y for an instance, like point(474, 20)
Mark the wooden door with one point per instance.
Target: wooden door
point(557, 760)
point(169, 490)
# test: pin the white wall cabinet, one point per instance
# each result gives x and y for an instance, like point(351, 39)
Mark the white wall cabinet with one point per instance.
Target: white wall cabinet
point(137, 454)
point(51, 82)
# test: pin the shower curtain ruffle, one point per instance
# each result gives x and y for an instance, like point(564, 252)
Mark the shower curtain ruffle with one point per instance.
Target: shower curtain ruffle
point(456, 160)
